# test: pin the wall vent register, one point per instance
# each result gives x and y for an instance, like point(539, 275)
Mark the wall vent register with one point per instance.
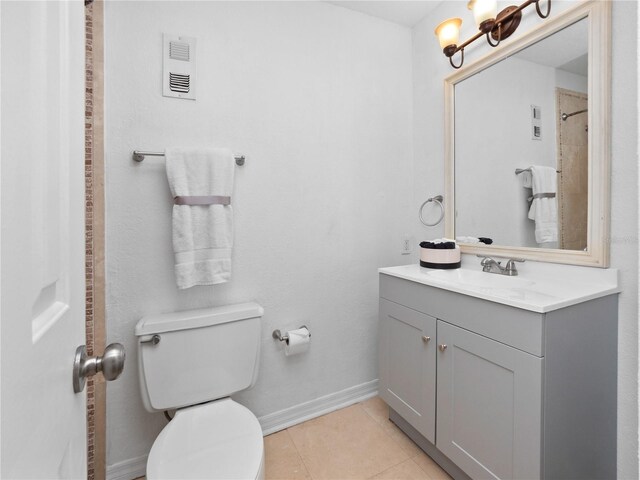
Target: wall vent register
point(179, 67)
point(179, 51)
point(179, 83)
point(536, 123)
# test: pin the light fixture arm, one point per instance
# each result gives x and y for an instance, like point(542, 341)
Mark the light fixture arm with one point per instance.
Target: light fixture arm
point(506, 22)
point(461, 59)
point(540, 12)
point(499, 35)
point(453, 49)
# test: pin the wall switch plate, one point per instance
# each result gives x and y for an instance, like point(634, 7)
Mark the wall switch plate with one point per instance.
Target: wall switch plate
point(406, 246)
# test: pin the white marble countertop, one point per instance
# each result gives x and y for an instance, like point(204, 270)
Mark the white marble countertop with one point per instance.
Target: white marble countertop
point(539, 287)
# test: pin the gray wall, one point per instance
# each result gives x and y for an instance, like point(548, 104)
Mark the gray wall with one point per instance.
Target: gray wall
point(340, 154)
point(430, 67)
point(494, 195)
point(319, 99)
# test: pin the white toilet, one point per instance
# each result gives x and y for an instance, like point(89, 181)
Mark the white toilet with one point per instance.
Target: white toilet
point(193, 361)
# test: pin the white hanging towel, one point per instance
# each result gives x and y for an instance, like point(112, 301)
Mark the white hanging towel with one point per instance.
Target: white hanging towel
point(201, 182)
point(526, 179)
point(544, 210)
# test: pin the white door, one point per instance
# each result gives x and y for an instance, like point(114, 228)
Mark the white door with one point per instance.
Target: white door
point(42, 215)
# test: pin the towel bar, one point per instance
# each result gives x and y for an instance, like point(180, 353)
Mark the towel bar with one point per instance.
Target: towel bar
point(138, 156)
point(522, 170)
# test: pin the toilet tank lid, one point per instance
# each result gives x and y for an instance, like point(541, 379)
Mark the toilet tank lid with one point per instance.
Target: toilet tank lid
point(204, 317)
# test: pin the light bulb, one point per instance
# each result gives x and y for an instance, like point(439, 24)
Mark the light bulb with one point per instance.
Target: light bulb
point(448, 32)
point(483, 10)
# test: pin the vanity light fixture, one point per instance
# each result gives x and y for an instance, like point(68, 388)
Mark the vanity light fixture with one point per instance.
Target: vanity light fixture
point(496, 27)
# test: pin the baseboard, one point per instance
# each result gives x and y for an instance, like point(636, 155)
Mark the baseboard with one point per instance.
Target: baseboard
point(128, 470)
point(271, 423)
point(302, 412)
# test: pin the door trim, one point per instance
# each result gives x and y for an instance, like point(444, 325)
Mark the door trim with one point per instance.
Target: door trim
point(94, 234)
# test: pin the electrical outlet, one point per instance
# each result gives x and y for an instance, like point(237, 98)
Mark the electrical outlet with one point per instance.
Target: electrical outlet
point(407, 245)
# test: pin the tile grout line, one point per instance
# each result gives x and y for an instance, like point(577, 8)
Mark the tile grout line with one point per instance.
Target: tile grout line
point(298, 452)
point(407, 460)
point(296, 446)
point(409, 457)
point(391, 437)
point(383, 431)
point(422, 469)
point(386, 469)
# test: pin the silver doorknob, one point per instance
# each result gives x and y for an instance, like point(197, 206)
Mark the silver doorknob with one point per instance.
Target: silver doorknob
point(111, 364)
point(442, 347)
point(425, 339)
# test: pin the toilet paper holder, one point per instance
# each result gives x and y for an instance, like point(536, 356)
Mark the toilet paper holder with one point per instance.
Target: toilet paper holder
point(277, 334)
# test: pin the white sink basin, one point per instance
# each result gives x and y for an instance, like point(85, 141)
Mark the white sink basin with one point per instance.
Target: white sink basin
point(540, 287)
point(479, 279)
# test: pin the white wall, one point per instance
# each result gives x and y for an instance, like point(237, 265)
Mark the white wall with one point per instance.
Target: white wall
point(319, 99)
point(571, 81)
point(430, 67)
point(495, 105)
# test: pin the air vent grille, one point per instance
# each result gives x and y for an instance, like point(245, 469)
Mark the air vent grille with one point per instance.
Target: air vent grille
point(179, 83)
point(536, 112)
point(179, 51)
point(536, 122)
point(179, 54)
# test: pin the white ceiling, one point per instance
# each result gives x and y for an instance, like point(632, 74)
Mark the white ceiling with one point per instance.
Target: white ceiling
point(403, 12)
point(566, 49)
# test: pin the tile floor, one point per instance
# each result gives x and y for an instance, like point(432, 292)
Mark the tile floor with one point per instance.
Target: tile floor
point(357, 442)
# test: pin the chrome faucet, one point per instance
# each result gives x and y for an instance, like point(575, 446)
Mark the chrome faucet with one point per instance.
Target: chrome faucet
point(489, 265)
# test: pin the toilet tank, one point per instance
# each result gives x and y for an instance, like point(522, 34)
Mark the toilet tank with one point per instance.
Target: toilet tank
point(201, 355)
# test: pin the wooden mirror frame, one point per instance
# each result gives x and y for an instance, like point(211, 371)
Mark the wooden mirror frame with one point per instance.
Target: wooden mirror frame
point(598, 15)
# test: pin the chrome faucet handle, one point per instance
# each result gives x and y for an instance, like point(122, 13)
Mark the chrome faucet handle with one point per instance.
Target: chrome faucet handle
point(490, 265)
point(485, 259)
point(510, 268)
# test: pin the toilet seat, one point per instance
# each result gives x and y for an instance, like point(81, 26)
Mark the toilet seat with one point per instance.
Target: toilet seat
point(215, 440)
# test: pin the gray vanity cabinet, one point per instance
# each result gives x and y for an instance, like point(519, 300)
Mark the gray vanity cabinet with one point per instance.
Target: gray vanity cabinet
point(515, 394)
point(489, 405)
point(408, 345)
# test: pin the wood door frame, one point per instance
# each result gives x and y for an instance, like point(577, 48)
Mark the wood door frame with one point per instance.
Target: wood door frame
point(560, 157)
point(94, 234)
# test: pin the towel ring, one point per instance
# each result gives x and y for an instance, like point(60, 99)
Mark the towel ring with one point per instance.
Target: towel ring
point(437, 199)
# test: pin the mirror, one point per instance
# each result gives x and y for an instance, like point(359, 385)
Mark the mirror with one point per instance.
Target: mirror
point(523, 97)
point(527, 164)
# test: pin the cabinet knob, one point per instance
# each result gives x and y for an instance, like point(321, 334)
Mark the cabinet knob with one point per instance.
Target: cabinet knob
point(442, 347)
point(425, 339)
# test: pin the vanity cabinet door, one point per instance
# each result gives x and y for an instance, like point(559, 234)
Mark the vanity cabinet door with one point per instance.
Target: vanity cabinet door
point(408, 365)
point(489, 405)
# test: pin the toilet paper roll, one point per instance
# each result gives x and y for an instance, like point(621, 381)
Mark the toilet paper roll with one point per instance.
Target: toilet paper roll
point(298, 341)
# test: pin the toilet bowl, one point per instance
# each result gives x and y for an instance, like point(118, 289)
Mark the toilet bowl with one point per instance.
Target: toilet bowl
point(220, 439)
point(193, 361)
